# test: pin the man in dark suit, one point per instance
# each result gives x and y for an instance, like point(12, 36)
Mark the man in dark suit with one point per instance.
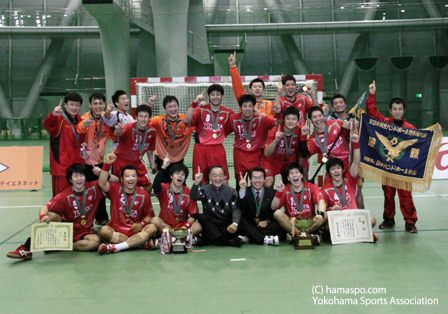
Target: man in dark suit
point(257, 220)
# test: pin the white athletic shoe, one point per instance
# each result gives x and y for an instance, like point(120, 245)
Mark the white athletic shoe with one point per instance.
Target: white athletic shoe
point(244, 238)
point(271, 240)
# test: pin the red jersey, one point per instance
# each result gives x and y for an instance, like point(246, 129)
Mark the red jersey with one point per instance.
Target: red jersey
point(203, 120)
point(128, 147)
point(65, 143)
point(64, 204)
point(373, 111)
point(312, 197)
point(280, 154)
point(260, 127)
point(340, 150)
point(301, 102)
point(141, 207)
point(350, 187)
point(167, 213)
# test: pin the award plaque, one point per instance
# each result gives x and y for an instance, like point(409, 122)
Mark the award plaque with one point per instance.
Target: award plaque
point(303, 240)
point(179, 245)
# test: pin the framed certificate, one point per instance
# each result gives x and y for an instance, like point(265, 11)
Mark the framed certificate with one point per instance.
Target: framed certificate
point(55, 236)
point(350, 225)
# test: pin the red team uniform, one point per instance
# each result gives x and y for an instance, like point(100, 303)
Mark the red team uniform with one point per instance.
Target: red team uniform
point(210, 151)
point(301, 102)
point(350, 187)
point(312, 197)
point(65, 148)
point(64, 204)
point(246, 158)
point(274, 164)
point(141, 208)
point(128, 151)
point(167, 213)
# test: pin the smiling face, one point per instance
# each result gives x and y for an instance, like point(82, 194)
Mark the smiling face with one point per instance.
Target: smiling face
point(336, 173)
point(248, 110)
point(257, 180)
point(290, 121)
point(257, 89)
point(78, 180)
point(215, 98)
point(217, 177)
point(178, 178)
point(172, 110)
point(72, 107)
point(290, 88)
point(142, 120)
point(397, 111)
point(130, 179)
point(123, 103)
point(317, 119)
point(339, 105)
point(295, 177)
point(97, 107)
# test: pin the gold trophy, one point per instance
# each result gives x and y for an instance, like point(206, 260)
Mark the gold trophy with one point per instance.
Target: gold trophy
point(179, 245)
point(303, 240)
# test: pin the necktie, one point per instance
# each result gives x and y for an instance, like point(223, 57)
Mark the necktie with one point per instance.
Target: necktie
point(258, 197)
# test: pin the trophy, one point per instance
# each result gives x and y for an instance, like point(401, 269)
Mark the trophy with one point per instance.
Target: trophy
point(179, 245)
point(303, 239)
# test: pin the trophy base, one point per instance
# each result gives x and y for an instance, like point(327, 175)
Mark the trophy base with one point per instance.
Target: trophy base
point(178, 249)
point(304, 243)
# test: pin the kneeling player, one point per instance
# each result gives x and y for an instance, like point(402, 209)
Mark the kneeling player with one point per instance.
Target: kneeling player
point(299, 198)
point(77, 204)
point(131, 211)
point(177, 210)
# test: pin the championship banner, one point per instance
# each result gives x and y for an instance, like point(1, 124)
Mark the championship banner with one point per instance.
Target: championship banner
point(398, 157)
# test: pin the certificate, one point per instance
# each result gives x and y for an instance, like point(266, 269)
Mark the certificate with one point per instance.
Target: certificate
point(55, 236)
point(350, 225)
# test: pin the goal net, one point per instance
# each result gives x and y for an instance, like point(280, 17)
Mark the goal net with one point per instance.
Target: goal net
point(187, 88)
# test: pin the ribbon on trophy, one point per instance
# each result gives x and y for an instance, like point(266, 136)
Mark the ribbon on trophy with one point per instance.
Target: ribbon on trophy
point(399, 157)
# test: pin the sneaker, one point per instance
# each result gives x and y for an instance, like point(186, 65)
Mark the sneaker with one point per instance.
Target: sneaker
point(244, 238)
point(375, 238)
point(387, 223)
point(197, 241)
point(151, 244)
point(411, 228)
point(271, 240)
point(290, 238)
point(316, 239)
point(20, 253)
point(106, 249)
point(236, 242)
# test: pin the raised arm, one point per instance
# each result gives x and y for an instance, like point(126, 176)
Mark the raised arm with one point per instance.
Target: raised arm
point(104, 174)
point(268, 151)
point(276, 201)
point(237, 84)
point(354, 168)
point(189, 114)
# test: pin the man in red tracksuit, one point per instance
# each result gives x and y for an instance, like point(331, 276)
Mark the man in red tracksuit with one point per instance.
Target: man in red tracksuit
point(397, 107)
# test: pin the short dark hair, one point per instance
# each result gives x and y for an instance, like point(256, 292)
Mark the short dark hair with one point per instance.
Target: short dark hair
point(257, 169)
point(143, 108)
point(117, 95)
point(257, 80)
point(291, 110)
point(312, 109)
point(332, 162)
point(97, 95)
point(168, 99)
point(74, 168)
point(215, 87)
point(216, 166)
point(397, 101)
point(291, 166)
point(288, 78)
point(337, 96)
point(72, 96)
point(129, 167)
point(247, 98)
point(179, 168)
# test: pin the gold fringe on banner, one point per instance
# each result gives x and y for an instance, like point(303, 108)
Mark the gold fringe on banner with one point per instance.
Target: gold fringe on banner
point(403, 182)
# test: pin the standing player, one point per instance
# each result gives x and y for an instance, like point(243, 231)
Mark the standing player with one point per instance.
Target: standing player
point(136, 139)
point(77, 204)
point(131, 211)
point(96, 133)
point(173, 135)
point(281, 146)
point(299, 199)
point(397, 107)
point(339, 109)
point(210, 121)
point(256, 87)
point(250, 130)
point(177, 210)
point(65, 141)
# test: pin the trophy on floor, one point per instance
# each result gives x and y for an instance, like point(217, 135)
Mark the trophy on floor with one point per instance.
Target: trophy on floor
point(303, 239)
point(179, 245)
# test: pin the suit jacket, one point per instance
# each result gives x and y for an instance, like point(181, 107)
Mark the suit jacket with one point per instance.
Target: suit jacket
point(248, 206)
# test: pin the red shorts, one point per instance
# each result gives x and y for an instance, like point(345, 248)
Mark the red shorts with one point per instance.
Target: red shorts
point(59, 184)
point(272, 169)
point(127, 232)
point(78, 236)
point(245, 161)
point(143, 177)
point(206, 156)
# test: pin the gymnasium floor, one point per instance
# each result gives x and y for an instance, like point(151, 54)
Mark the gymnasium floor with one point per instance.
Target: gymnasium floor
point(269, 280)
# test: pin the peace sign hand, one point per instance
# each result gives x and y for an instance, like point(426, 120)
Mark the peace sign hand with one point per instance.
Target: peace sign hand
point(243, 183)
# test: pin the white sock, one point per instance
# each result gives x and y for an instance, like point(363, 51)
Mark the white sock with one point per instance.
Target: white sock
point(122, 246)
